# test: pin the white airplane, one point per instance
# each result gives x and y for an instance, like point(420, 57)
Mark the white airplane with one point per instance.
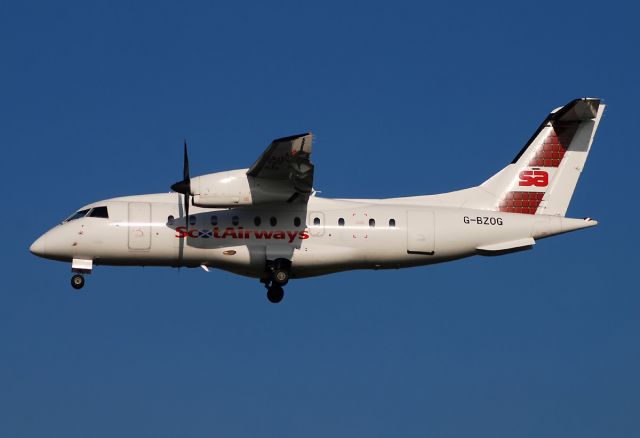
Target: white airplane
point(266, 222)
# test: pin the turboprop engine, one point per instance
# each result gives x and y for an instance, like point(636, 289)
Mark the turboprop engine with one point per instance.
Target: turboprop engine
point(283, 173)
point(267, 181)
point(235, 187)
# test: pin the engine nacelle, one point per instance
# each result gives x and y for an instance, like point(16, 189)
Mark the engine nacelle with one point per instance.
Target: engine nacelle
point(234, 187)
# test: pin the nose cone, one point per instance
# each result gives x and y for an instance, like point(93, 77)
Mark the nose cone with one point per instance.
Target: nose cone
point(38, 247)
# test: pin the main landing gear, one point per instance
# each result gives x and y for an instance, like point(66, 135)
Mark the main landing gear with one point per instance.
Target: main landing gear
point(275, 293)
point(277, 276)
point(77, 281)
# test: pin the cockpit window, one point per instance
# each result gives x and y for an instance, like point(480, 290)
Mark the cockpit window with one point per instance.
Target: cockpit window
point(77, 215)
point(99, 212)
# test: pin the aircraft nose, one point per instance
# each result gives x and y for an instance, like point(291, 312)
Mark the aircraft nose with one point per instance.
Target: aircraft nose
point(38, 247)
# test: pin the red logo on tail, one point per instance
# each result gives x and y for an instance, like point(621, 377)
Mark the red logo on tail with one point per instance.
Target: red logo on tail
point(538, 178)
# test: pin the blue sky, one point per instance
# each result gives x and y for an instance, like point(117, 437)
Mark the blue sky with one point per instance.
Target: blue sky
point(404, 98)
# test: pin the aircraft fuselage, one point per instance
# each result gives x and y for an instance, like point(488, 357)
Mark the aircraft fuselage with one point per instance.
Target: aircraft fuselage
point(321, 237)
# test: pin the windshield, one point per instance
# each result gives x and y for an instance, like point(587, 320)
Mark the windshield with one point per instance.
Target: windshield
point(99, 212)
point(77, 215)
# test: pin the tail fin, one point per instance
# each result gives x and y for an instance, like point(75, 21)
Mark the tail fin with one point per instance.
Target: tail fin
point(542, 177)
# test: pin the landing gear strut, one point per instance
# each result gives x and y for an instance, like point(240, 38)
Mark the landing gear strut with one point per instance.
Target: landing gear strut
point(77, 281)
point(277, 276)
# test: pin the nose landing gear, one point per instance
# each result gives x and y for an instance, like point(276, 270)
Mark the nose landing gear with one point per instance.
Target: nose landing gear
point(79, 267)
point(77, 281)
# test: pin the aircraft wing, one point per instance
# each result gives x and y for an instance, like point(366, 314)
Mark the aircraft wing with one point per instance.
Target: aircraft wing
point(286, 160)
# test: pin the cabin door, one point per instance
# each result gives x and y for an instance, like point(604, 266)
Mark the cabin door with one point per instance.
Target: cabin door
point(139, 226)
point(420, 232)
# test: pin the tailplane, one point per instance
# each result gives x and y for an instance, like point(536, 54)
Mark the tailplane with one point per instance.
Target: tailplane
point(542, 177)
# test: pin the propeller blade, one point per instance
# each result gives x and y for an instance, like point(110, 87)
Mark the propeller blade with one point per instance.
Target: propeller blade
point(185, 169)
point(184, 186)
point(187, 201)
point(185, 177)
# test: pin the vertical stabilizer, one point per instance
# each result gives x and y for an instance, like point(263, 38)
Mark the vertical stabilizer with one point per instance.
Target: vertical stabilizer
point(542, 177)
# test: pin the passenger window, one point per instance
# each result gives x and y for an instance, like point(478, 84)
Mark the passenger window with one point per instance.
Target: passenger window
point(214, 220)
point(235, 220)
point(392, 223)
point(192, 220)
point(77, 215)
point(372, 223)
point(341, 222)
point(99, 212)
point(316, 221)
point(296, 222)
point(273, 221)
point(257, 221)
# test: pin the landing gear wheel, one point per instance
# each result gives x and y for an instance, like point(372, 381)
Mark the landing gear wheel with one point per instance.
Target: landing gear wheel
point(77, 281)
point(275, 294)
point(280, 276)
point(280, 271)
